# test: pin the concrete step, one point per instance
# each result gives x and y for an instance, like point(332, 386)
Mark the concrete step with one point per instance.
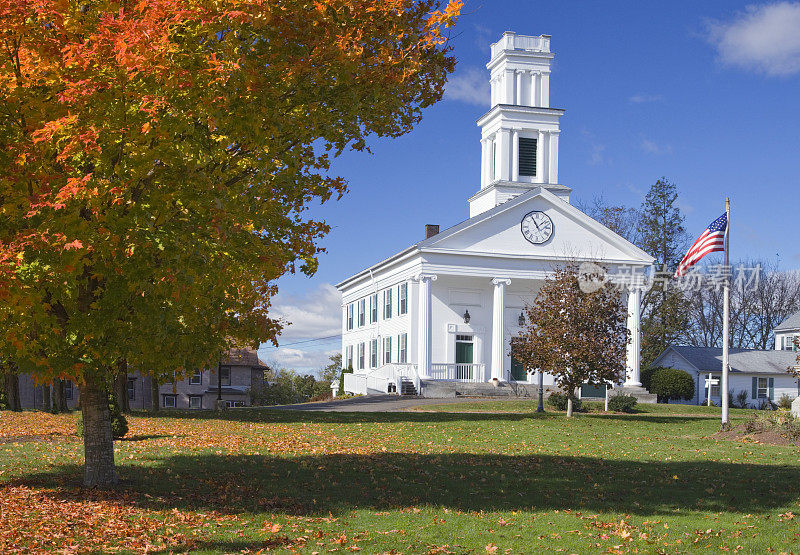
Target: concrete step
point(641, 394)
point(443, 389)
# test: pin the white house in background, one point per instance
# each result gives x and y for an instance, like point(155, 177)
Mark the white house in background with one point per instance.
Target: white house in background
point(787, 332)
point(445, 308)
point(761, 373)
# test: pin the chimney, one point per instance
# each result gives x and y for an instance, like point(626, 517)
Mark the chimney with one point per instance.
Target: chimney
point(431, 230)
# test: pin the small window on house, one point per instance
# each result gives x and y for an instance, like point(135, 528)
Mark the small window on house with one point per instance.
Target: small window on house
point(360, 356)
point(402, 298)
point(373, 308)
point(131, 389)
point(402, 341)
point(348, 360)
point(373, 353)
point(387, 304)
point(387, 350)
point(195, 401)
point(361, 312)
point(225, 375)
point(350, 316)
point(233, 404)
point(527, 157)
point(716, 390)
point(68, 390)
point(169, 401)
point(197, 378)
point(763, 388)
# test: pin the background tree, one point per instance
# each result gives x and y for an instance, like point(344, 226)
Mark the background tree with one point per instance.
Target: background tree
point(759, 302)
point(577, 337)
point(331, 372)
point(662, 235)
point(156, 162)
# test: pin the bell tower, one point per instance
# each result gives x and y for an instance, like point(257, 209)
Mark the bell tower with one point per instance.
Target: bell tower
point(519, 133)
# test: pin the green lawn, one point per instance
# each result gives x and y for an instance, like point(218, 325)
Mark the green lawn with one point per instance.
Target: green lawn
point(423, 482)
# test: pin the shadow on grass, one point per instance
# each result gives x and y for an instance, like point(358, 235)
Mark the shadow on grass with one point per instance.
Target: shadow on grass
point(283, 416)
point(315, 485)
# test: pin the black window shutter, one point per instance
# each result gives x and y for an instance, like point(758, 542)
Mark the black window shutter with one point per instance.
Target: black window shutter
point(527, 156)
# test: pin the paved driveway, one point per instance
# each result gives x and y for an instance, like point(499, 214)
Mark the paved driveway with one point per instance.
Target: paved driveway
point(375, 403)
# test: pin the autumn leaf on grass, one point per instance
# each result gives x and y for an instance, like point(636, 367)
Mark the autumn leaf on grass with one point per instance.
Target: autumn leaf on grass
point(491, 548)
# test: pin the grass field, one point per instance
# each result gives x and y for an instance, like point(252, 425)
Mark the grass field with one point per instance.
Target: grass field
point(499, 479)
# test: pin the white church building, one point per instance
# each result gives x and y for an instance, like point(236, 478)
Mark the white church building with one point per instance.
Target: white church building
point(443, 311)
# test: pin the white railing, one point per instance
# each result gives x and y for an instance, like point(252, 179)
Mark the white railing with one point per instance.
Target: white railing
point(406, 371)
point(521, 42)
point(355, 383)
point(377, 380)
point(458, 372)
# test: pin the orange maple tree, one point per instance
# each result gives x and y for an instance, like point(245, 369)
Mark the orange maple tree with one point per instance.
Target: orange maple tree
point(157, 158)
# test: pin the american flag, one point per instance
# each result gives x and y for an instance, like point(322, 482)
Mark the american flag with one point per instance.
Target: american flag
point(712, 240)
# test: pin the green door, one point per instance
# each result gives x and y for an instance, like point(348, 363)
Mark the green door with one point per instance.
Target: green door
point(518, 372)
point(463, 353)
point(463, 356)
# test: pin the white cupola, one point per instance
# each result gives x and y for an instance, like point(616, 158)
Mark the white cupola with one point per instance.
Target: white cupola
point(519, 133)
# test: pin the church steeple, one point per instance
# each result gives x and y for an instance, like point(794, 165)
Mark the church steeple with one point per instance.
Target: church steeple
point(519, 133)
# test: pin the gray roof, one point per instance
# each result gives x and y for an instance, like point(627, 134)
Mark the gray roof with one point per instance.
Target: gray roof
point(745, 361)
point(791, 323)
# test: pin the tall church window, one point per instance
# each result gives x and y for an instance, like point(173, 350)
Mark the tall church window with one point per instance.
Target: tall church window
point(387, 304)
point(402, 298)
point(527, 156)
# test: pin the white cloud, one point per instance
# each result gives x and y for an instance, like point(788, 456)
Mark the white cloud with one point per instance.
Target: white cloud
point(317, 314)
point(763, 38)
point(470, 86)
point(597, 154)
point(642, 98)
point(654, 148)
point(298, 359)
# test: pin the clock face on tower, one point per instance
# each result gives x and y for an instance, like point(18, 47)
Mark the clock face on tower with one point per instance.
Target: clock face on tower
point(537, 227)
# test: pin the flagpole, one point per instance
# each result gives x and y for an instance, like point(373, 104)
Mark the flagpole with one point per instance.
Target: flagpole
point(726, 301)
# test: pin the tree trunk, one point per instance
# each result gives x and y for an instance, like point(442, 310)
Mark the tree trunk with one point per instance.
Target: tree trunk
point(121, 387)
point(59, 396)
point(47, 403)
point(98, 444)
point(12, 392)
point(154, 394)
point(569, 406)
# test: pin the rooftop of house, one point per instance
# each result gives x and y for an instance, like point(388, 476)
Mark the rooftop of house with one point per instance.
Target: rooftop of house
point(746, 361)
point(791, 323)
point(242, 357)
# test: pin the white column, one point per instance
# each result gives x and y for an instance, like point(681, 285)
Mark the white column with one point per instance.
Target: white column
point(536, 87)
point(484, 162)
point(424, 325)
point(518, 97)
point(634, 347)
point(515, 155)
point(540, 158)
point(552, 166)
point(503, 150)
point(498, 309)
point(545, 89)
point(508, 89)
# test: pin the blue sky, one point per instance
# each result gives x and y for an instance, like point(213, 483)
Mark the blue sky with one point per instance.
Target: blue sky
point(704, 93)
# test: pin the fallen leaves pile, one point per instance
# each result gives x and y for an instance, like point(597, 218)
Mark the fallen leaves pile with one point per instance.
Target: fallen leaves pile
point(72, 521)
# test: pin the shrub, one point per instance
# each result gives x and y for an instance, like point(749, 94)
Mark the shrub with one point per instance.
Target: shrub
point(348, 370)
point(558, 401)
point(119, 424)
point(671, 383)
point(646, 375)
point(784, 423)
point(785, 402)
point(739, 400)
point(622, 403)
point(3, 401)
point(766, 404)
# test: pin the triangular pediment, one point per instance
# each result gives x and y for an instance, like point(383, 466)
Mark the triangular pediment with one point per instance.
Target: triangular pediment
point(575, 235)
